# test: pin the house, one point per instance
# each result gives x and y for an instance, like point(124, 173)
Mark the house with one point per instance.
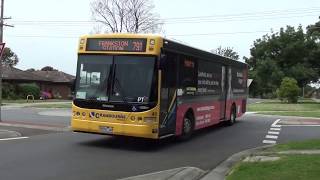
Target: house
point(56, 83)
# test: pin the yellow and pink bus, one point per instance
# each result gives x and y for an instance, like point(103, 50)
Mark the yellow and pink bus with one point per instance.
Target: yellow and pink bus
point(152, 87)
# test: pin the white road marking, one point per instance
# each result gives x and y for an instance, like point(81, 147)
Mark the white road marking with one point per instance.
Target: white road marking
point(269, 142)
point(15, 138)
point(271, 137)
point(274, 124)
point(273, 132)
point(301, 125)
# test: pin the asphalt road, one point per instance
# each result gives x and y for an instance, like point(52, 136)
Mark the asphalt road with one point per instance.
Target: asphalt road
point(85, 156)
point(39, 116)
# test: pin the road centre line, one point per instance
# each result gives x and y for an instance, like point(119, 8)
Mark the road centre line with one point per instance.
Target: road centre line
point(273, 132)
point(15, 138)
point(275, 129)
point(271, 137)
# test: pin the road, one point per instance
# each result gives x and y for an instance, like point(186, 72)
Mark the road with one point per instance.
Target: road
point(79, 156)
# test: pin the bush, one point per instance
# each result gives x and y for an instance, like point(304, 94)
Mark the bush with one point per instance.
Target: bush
point(288, 90)
point(9, 91)
point(29, 89)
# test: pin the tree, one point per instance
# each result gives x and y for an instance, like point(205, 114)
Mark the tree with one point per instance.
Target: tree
point(289, 90)
point(9, 58)
point(133, 16)
point(48, 68)
point(31, 70)
point(290, 53)
point(226, 52)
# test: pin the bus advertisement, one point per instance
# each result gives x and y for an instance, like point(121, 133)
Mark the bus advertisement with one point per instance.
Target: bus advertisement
point(151, 87)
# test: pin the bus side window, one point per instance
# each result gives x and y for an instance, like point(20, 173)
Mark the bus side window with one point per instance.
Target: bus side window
point(188, 74)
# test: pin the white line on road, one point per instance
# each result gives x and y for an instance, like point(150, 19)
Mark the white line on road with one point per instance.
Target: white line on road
point(15, 138)
point(274, 124)
point(275, 129)
point(301, 125)
point(271, 137)
point(269, 142)
point(273, 132)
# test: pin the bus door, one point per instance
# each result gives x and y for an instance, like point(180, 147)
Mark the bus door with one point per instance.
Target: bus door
point(168, 101)
point(224, 92)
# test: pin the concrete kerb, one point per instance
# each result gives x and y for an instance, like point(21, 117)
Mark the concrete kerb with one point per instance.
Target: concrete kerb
point(185, 173)
point(8, 134)
point(223, 169)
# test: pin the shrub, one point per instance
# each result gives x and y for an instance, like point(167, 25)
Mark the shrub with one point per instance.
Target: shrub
point(288, 90)
point(29, 89)
point(9, 91)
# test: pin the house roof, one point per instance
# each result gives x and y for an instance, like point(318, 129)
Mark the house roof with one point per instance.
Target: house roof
point(11, 73)
point(55, 76)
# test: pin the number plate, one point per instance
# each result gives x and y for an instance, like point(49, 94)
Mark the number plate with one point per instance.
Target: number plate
point(106, 129)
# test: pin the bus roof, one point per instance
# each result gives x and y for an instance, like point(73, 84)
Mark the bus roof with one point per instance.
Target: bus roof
point(173, 46)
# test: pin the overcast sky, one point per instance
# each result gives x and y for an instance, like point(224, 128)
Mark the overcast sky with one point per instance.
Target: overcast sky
point(39, 41)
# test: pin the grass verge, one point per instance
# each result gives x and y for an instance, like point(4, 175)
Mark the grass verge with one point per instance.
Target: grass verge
point(305, 108)
point(298, 167)
point(60, 105)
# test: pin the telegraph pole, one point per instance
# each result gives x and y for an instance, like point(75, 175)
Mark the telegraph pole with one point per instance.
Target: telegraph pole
point(2, 24)
point(1, 41)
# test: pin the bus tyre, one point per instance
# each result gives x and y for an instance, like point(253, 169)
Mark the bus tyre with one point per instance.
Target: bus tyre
point(187, 127)
point(233, 115)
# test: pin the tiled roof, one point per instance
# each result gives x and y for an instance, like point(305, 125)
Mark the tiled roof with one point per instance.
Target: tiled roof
point(55, 76)
point(11, 73)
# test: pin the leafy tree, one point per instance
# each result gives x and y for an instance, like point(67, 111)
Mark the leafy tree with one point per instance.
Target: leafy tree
point(226, 52)
point(134, 16)
point(9, 57)
point(290, 53)
point(48, 68)
point(31, 70)
point(289, 90)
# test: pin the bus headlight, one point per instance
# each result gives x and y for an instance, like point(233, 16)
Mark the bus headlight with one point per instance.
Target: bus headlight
point(149, 119)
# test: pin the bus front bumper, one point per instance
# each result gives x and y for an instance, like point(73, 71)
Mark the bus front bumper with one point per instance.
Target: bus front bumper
point(101, 127)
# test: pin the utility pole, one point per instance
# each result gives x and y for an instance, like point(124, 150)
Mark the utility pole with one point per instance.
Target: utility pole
point(1, 41)
point(2, 24)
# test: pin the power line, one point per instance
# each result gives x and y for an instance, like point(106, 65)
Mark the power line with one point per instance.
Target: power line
point(264, 15)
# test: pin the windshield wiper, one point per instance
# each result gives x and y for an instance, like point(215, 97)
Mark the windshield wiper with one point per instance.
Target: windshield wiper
point(122, 94)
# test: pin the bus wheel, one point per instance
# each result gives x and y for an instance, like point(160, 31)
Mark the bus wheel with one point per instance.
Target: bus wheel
point(188, 127)
point(233, 115)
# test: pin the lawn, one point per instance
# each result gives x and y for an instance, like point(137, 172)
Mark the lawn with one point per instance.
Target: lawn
point(52, 105)
point(297, 167)
point(304, 108)
point(288, 167)
point(19, 101)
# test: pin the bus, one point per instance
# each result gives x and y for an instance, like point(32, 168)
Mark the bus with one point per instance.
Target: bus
point(151, 87)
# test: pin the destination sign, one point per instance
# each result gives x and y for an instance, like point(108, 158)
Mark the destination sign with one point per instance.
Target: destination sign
point(116, 44)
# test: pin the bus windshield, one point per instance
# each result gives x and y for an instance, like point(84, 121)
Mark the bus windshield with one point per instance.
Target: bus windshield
point(126, 79)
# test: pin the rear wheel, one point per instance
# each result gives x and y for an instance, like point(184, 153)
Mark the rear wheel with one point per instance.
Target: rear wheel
point(233, 115)
point(188, 126)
